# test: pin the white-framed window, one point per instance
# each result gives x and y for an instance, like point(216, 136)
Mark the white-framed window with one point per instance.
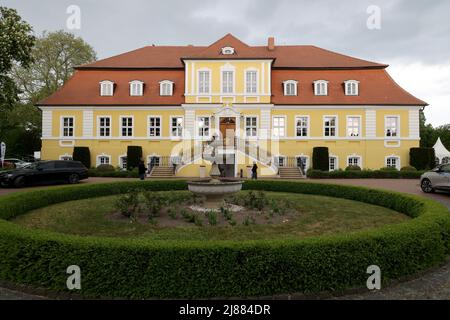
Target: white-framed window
point(302, 126)
point(321, 88)
point(136, 88)
point(353, 126)
point(204, 126)
point(106, 88)
point(251, 126)
point(67, 126)
point(330, 126)
point(126, 126)
point(176, 126)
point(104, 126)
point(351, 87)
point(103, 159)
point(354, 161)
point(65, 157)
point(280, 161)
point(279, 126)
point(204, 81)
point(303, 162)
point(392, 125)
point(251, 81)
point(153, 161)
point(166, 88)
point(290, 88)
point(227, 50)
point(123, 160)
point(333, 163)
point(393, 162)
point(154, 126)
point(227, 81)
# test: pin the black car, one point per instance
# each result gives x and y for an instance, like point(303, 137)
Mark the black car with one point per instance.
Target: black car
point(45, 172)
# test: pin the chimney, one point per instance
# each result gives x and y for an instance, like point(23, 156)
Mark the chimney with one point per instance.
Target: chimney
point(271, 43)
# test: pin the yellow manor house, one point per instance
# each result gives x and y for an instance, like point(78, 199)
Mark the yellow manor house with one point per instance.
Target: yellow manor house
point(269, 105)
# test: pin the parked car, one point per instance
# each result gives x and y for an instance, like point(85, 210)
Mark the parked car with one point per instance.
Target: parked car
point(45, 172)
point(436, 179)
point(17, 162)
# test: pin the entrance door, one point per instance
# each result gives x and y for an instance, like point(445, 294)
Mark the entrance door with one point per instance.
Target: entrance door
point(227, 131)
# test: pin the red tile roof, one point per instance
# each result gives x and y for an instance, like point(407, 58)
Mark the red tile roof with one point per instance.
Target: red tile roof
point(305, 64)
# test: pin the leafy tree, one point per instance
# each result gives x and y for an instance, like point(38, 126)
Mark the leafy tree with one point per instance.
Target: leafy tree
point(54, 56)
point(16, 41)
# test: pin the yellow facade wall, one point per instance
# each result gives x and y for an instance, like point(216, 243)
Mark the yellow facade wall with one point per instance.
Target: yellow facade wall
point(239, 95)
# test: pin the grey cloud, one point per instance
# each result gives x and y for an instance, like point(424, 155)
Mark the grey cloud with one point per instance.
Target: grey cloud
point(411, 30)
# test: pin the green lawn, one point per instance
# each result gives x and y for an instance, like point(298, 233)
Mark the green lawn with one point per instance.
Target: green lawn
point(316, 215)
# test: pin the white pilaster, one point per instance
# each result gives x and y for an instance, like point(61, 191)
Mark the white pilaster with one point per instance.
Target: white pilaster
point(371, 123)
point(47, 118)
point(88, 123)
point(414, 124)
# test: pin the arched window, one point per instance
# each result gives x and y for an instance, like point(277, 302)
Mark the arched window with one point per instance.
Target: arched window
point(393, 162)
point(321, 87)
point(166, 88)
point(290, 87)
point(106, 88)
point(351, 87)
point(136, 88)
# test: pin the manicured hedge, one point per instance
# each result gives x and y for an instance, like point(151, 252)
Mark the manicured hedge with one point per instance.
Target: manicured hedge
point(114, 173)
point(321, 159)
point(364, 174)
point(140, 268)
point(134, 155)
point(422, 158)
point(83, 155)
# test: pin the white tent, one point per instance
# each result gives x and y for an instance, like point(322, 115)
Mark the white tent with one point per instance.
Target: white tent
point(442, 154)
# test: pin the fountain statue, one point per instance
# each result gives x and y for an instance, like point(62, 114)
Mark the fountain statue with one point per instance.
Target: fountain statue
point(214, 189)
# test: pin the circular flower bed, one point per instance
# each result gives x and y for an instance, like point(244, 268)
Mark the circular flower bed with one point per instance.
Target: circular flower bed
point(140, 268)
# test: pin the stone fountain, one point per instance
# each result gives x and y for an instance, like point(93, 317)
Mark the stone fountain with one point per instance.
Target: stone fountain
point(214, 189)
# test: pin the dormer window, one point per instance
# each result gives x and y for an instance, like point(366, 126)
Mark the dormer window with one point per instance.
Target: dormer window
point(351, 87)
point(166, 88)
point(290, 87)
point(106, 88)
point(321, 88)
point(136, 88)
point(228, 50)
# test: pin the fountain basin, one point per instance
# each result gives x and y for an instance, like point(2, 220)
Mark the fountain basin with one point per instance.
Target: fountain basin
point(214, 190)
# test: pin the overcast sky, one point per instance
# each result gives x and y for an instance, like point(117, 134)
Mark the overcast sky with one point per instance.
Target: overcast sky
point(414, 35)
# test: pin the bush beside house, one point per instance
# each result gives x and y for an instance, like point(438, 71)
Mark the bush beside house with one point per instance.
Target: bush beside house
point(321, 158)
point(83, 155)
point(134, 155)
point(422, 158)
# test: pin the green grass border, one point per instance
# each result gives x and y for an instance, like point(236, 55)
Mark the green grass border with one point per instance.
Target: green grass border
point(139, 268)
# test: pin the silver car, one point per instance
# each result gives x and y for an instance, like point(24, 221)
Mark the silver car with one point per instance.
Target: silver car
point(436, 179)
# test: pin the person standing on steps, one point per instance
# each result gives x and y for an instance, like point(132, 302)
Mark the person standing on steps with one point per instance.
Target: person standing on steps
point(254, 171)
point(141, 169)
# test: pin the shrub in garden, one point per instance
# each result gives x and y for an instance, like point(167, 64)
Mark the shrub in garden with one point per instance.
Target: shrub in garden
point(388, 169)
point(153, 203)
point(128, 204)
point(83, 155)
point(320, 158)
point(353, 168)
point(248, 220)
point(172, 212)
point(422, 158)
point(212, 217)
point(134, 155)
point(105, 167)
point(408, 168)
